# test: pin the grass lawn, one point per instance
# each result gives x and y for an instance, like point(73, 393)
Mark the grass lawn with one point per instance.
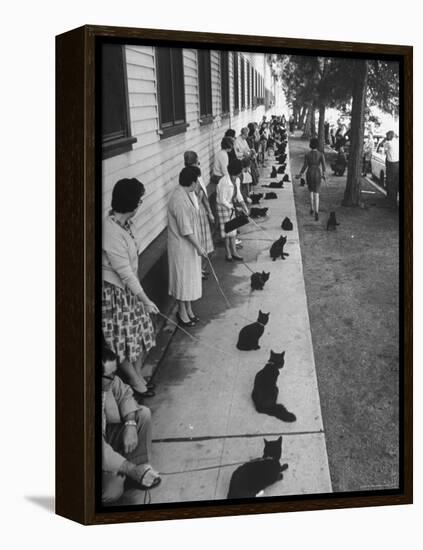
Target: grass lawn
point(352, 285)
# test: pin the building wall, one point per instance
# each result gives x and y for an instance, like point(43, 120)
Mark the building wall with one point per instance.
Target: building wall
point(157, 162)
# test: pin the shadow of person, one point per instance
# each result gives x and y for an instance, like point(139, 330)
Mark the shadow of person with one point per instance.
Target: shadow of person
point(46, 502)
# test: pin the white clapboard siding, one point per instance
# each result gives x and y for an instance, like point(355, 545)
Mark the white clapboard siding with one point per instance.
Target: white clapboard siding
point(155, 161)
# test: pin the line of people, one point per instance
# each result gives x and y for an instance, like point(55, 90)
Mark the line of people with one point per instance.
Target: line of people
point(127, 327)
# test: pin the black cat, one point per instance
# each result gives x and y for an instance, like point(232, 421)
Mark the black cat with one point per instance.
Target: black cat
point(258, 212)
point(275, 185)
point(258, 280)
point(251, 478)
point(332, 223)
point(276, 249)
point(286, 225)
point(265, 391)
point(250, 335)
point(281, 168)
point(285, 178)
point(302, 182)
point(270, 195)
point(273, 173)
point(280, 159)
point(255, 197)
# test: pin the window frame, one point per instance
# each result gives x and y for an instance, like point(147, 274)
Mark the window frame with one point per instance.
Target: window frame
point(117, 144)
point(225, 90)
point(242, 78)
point(169, 129)
point(205, 96)
point(235, 60)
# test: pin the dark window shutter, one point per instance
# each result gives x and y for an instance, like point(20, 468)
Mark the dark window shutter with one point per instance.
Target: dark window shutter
point(248, 85)
point(236, 82)
point(224, 81)
point(242, 83)
point(164, 74)
point(171, 87)
point(115, 121)
point(178, 86)
point(204, 80)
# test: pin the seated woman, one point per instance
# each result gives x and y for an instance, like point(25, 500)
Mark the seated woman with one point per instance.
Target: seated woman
point(126, 440)
point(183, 246)
point(228, 198)
point(126, 309)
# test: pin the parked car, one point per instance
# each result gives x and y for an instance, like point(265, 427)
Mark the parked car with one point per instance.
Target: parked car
point(378, 165)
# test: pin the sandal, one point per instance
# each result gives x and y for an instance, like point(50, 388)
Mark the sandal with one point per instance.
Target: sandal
point(194, 318)
point(156, 479)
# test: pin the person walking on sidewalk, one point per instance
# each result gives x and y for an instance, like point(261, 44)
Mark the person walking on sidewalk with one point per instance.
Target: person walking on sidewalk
point(183, 246)
point(228, 196)
point(312, 162)
point(205, 214)
point(126, 323)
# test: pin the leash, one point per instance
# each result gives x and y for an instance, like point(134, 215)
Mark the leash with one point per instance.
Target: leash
point(213, 467)
point(224, 295)
point(195, 339)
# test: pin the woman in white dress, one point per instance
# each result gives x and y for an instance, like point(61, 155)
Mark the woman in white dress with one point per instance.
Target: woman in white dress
point(184, 246)
point(206, 218)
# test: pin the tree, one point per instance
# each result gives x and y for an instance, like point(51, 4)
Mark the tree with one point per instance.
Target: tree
point(353, 187)
point(376, 82)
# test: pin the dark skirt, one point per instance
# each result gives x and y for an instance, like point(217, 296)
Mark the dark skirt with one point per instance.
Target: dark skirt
point(314, 179)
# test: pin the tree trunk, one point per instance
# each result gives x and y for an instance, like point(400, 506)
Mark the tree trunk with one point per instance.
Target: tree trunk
point(296, 114)
point(321, 131)
point(313, 121)
point(302, 118)
point(308, 121)
point(353, 187)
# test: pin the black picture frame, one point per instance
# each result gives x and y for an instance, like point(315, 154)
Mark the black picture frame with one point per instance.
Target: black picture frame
point(78, 216)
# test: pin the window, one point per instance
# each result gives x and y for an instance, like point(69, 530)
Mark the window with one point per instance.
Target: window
point(253, 104)
point(224, 81)
point(171, 92)
point(248, 86)
point(115, 122)
point(236, 82)
point(204, 82)
point(242, 83)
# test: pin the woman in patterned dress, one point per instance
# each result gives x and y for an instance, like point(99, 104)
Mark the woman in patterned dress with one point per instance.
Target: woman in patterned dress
point(228, 196)
point(126, 323)
point(205, 214)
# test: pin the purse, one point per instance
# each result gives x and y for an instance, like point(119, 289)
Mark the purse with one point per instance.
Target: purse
point(239, 220)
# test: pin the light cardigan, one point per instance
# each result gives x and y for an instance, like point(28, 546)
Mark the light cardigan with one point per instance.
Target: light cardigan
point(225, 192)
point(119, 257)
point(221, 162)
point(241, 147)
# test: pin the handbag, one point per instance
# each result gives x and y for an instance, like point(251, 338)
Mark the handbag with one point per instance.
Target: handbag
point(239, 220)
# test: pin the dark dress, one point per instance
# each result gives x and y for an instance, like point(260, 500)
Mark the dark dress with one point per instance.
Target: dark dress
point(312, 161)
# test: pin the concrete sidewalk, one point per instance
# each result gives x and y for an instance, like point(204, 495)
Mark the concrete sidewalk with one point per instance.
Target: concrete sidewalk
point(203, 414)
